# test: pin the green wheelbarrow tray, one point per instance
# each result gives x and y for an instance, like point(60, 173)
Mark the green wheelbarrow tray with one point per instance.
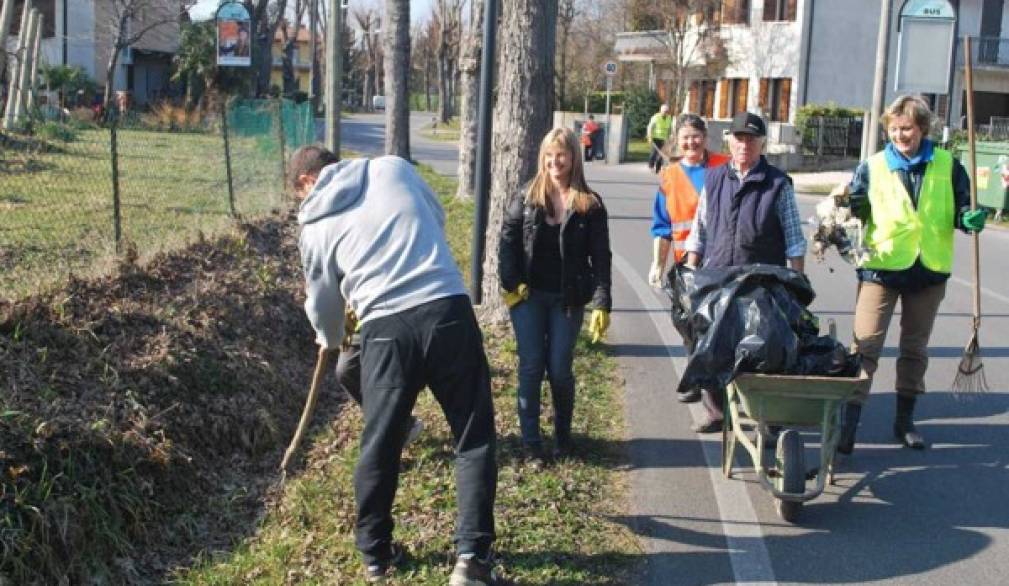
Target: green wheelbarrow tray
point(756, 401)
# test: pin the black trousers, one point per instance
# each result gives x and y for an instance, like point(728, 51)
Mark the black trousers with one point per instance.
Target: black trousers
point(439, 345)
point(654, 158)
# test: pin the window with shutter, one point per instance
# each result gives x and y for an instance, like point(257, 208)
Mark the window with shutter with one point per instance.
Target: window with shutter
point(784, 97)
point(723, 98)
point(779, 10)
point(693, 97)
point(735, 11)
point(742, 88)
point(763, 95)
point(708, 107)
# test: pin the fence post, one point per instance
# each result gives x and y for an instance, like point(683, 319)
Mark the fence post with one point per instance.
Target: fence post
point(116, 208)
point(866, 129)
point(283, 154)
point(227, 156)
point(819, 140)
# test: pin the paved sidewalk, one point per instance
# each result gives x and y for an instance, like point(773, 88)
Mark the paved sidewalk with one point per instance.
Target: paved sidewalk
point(818, 182)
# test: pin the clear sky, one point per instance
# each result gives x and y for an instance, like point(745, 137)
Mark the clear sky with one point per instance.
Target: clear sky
point(419, 9)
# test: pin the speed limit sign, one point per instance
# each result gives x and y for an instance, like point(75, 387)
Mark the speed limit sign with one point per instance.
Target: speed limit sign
point(611, 68)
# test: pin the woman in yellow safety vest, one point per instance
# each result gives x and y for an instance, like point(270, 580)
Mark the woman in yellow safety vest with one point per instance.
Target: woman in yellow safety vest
point(675, 204)
point(911, 196)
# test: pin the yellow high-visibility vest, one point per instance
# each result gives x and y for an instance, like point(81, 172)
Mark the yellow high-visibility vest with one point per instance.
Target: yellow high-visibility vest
point(897, 232)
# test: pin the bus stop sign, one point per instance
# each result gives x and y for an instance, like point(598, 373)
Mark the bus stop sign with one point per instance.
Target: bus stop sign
point(925, 47)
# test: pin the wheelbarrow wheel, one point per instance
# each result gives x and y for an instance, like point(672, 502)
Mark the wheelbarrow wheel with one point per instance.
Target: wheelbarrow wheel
point(790, 457)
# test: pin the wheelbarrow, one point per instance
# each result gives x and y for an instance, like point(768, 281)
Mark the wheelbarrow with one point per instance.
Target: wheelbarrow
point(755, 402)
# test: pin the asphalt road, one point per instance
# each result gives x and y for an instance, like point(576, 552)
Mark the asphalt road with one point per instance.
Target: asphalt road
point(895, 515)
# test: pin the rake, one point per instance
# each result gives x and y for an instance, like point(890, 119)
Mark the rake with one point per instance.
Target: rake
point(970, 377)
point(321, 366)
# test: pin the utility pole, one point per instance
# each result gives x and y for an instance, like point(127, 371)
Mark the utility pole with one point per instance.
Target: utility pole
point(334, 75)
point(879, 83)
point(481, 185)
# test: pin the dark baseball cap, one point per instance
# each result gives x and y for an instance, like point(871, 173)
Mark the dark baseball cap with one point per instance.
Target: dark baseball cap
point(748, 123)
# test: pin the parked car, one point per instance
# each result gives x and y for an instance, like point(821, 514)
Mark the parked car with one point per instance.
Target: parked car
point(378, 102)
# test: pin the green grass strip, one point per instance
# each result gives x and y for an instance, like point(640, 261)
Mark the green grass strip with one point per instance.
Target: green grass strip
point(555, 526)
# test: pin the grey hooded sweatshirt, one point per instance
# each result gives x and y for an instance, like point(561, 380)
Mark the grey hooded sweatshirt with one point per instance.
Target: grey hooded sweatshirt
point(372, 234)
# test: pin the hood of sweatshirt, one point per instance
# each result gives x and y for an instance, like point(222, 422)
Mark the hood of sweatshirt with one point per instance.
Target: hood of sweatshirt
point(339, 187)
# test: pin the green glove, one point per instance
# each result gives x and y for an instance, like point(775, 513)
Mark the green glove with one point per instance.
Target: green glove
point(513, 298)
point(973, 220)
point(598, 324)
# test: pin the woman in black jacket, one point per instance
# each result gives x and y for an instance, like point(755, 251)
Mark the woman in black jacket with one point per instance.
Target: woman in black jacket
point(554, 258)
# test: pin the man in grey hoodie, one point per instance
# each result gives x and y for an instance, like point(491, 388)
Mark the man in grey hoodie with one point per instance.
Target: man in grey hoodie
point(372, 235)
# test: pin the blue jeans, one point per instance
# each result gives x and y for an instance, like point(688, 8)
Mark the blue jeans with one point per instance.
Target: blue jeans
point(546, 334)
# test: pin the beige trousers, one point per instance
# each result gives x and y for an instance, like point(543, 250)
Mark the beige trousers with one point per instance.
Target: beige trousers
point(873, 310)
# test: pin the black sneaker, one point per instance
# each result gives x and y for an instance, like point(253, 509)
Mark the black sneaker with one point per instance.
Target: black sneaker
point(378, 572)
point(470, 571)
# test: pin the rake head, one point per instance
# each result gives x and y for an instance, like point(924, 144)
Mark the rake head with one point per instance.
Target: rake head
point(970, 377)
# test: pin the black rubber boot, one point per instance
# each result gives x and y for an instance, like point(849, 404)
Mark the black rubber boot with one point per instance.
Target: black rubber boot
point(849, 425)
point(903, 425)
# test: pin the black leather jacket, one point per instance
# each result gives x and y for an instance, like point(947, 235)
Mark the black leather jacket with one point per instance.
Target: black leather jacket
point(585, 251)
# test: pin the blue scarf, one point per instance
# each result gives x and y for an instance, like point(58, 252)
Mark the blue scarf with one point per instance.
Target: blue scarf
point(898, 162)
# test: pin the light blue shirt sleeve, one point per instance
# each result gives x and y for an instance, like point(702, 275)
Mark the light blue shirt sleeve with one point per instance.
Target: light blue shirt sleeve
point(662, 226)
point(791, 223)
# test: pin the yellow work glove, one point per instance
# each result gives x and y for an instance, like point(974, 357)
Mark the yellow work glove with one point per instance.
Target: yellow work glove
point(513, 298)
point(350, 327)
point(598, 324)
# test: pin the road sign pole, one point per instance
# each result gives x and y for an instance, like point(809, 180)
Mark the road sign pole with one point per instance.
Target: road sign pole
point(609, 88)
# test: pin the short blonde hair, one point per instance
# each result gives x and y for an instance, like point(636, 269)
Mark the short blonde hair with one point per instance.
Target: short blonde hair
point(914, 108)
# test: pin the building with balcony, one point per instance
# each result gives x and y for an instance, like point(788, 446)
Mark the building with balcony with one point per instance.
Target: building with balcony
point(761, 50)
point(301, 58)
point(783, 54)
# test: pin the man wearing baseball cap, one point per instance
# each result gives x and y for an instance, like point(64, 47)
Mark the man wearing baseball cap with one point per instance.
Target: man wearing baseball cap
point(746, 214)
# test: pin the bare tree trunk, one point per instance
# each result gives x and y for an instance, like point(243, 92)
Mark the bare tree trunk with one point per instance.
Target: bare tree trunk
point(444, 75)
point(369, 85)
point(396, 45)
point(522, 116)
point(469, 66)
point(427, 83)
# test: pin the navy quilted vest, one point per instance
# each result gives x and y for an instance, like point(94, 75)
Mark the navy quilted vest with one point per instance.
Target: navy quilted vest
point(742, 225)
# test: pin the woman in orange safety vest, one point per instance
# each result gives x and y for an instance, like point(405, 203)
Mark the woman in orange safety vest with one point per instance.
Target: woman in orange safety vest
point(680, 187)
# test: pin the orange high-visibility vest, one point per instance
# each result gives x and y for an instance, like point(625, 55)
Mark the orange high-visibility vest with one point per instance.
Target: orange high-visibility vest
point(681, 200)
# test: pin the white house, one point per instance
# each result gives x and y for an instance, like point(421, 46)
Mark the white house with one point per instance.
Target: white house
point(783, 54)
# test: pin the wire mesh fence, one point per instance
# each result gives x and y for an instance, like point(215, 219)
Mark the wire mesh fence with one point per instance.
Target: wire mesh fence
point(66, 208)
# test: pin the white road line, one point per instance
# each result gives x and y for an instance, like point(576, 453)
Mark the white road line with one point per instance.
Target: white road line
point(984, 290)
point(747, 551)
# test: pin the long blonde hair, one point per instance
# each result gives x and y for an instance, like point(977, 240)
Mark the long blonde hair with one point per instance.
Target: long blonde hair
point(582, 199)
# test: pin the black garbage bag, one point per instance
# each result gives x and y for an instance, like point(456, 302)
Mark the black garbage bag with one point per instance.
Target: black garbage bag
point(750, 318)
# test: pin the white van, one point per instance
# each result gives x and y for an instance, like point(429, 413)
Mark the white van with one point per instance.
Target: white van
point(378, 102)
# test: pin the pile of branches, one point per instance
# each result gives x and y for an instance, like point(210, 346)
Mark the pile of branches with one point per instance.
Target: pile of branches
point(143, 415)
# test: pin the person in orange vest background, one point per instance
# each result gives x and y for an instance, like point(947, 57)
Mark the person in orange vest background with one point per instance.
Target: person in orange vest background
point(589, 131)
point(680, 186)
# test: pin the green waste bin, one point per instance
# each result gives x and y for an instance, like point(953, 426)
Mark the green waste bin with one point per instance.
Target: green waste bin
point(992, 157)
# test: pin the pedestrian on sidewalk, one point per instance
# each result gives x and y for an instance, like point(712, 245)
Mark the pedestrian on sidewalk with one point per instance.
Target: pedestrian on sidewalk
point(746, 214)
point(373, 236)
point(911, 196)
point(590, 131)
point(554, 258)
point(681, 183)
point(656, 134)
